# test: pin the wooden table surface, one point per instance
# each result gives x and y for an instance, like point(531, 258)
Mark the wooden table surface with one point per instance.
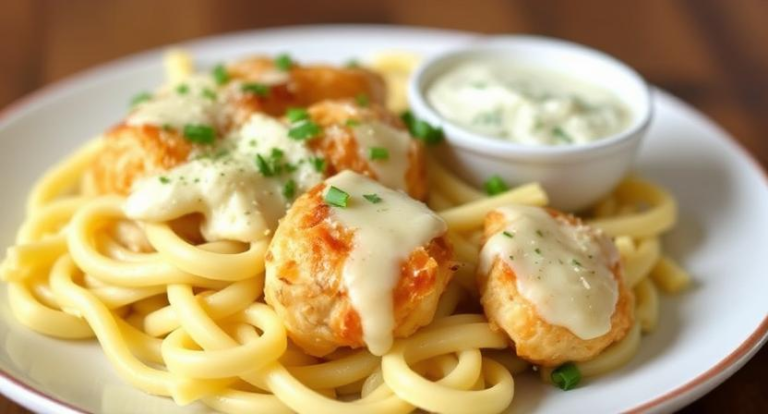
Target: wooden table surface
point(710, 53)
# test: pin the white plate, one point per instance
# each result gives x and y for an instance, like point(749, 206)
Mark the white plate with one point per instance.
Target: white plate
point(704, 335)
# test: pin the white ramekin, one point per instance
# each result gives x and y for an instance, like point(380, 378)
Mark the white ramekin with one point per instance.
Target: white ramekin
point(574, 176)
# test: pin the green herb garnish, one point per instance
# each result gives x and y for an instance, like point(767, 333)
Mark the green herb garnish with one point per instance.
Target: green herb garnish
point(207, 93)
point(362, 99)
point(539, 233)
point(264, 166)
point(164, 180)
point(318, 163)
point(199, 134)
point(566, 376)
point(560, 134)
point(538, 251)
point(140, 97)
point(182, 89)
point(289, 189)
point(220, 74)
point(373, 198)
point(283, 62)
point(575, 262)
point(256, 88)
point(508, 234)
point(495, 185)
point(431, 135)
point(337, 198)
point(296, 114)
point(378, 153)
point(304, 130)
point(352, 122)
point(352, 64)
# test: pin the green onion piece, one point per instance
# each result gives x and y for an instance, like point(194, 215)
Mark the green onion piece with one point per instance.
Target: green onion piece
point(337, 198)
point(566, 376)
point(362, 99)
point(378, 153)
point(296, 114)
point(140, 97)
point(373, 198)
point(560, 134)
point(508, 234)
point(283, 62)
point(265, 168)
point(352, 64)
point(431, 135)
point(304, 130)
point(289, 189)
point(199, 134)
point(220, 74)
point(207, 93)
point(164, 180)
point(256, 88)
point(495, 185)
point(351, 122)
point(182, 89)
point(276, 154)
point(318, 163)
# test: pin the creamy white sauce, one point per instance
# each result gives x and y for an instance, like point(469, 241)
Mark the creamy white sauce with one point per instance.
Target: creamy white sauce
point(391, 171)
point(561, 269)
point(223, 183)
point(385, 235)
point(526, 106)
point(169, 107)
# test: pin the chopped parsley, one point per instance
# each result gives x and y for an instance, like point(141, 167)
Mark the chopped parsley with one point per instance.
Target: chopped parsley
point(220, 74)
point(495, 185)
point(431, 135)
point(351, 122)
point(566, 376)
point(378, 153)
point(561, 135)
point(352, 64)
point(289, 189)
point(336, 197)
point(164, 180)
point(283, 62)
point(318, 163)
point(207, 93)
point(199, 134)
point(373, 198)
point(539, 233)
point(167, 127)
point(508, 234)
point(140, 97)
point(575, 262)
point(304, 130)
point(258, 89)
point(264, 166)
point(538, 251)
point(362, 99)
point(511, 257)
point(182, 89)
point(296, 114)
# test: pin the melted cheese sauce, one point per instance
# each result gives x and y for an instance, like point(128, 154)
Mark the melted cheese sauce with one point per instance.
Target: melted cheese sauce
point(224, 184)
point(385, 235)
point(169, 107)
point(563, 270)
point(391, 171)
point(525, 105)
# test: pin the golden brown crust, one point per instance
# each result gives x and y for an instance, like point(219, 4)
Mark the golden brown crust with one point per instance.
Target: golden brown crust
point(340, 148)
point(131, 153)
point(534, 339)
point(304, 282)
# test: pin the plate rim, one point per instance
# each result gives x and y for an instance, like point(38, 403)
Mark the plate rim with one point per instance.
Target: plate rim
point(31, 397)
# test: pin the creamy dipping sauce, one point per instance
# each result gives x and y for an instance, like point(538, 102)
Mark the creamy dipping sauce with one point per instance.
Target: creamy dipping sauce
point(525, 105)
point(561, 269)
point(385, 234)
point(224, 183)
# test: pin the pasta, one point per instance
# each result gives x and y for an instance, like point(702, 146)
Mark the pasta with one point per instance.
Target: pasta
point(186, 320)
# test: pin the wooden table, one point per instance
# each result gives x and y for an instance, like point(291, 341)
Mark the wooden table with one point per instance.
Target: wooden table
point(710, 53)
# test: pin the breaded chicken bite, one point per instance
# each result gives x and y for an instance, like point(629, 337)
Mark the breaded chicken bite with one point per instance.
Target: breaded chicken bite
point(370, 140)
point(553, 284)
point(354, 264)
point(288, 84)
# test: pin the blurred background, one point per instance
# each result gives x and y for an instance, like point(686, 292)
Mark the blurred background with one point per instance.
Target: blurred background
point(712, 54)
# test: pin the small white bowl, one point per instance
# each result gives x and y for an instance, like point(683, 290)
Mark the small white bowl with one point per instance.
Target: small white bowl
point(574, 176)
